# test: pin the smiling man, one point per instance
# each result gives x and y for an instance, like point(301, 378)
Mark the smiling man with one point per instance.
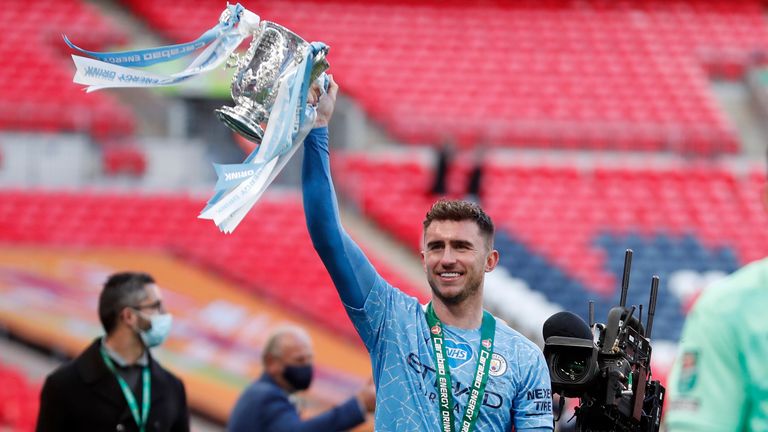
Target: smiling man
point(444, 366)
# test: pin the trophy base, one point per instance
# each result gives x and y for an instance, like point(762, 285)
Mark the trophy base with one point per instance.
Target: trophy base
point(241, 124)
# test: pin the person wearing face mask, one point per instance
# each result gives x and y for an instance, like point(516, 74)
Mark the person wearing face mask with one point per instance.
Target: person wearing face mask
point(115, 384)
point(265, 405)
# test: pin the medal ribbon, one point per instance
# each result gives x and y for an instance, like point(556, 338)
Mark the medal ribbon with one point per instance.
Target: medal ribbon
point(445, 393)
point(139, 417)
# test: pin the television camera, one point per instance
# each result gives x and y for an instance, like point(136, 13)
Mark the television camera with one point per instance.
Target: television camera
point(607, 366)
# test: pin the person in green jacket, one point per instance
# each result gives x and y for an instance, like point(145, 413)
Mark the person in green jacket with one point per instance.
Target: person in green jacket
point(719, 381)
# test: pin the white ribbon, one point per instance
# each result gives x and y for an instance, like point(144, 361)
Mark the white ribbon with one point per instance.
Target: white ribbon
point(229, 224)
point(97, 74)
point(279, 144)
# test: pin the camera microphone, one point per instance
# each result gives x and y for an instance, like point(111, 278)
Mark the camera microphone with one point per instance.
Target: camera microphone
point(566, 324)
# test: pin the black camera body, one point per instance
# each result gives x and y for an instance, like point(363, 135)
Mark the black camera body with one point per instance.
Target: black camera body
point(607, 366)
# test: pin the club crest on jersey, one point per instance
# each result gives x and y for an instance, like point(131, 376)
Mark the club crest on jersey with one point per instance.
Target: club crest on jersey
point(688, 371)
point(486, 343)
point(498, 365)
point(436, 330)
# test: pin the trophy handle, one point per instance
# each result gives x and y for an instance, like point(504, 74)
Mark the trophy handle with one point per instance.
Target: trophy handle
point(319, 64)
point(233, 61)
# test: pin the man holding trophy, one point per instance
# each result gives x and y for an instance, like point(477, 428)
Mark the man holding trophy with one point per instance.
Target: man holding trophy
point(448, 365)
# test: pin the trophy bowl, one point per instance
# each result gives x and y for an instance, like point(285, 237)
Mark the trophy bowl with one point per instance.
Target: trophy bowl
point(273, 51)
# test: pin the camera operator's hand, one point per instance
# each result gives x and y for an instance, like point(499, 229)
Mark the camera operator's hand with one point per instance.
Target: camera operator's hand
point(325, 102)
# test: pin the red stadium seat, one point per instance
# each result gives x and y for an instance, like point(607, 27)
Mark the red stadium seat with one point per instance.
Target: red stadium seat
point(547, 207)
point(19, 400)
point(617, 75)
point(122, 159)
point(36, 89)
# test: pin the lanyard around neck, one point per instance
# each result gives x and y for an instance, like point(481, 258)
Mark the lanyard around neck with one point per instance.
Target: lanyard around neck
point(139, 417)
point(445, 394)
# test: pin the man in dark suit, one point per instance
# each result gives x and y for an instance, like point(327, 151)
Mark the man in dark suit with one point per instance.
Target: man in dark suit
point(115, 384)
point(265, 407)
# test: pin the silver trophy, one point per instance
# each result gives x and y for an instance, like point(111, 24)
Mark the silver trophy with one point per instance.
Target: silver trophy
point(273, 51)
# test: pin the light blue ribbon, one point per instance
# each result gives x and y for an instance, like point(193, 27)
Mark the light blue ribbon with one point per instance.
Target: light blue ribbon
point(99, 75)
point(231, 175)
point(150, 56)
point(285, 132)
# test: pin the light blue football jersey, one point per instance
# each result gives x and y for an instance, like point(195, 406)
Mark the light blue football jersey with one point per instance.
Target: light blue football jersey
point(395, 331)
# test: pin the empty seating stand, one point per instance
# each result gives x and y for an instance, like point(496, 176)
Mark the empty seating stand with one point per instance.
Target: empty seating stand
point(19, 400)
point(577, 222)
point(36, 88)
point(545, 74)
point(270, 254)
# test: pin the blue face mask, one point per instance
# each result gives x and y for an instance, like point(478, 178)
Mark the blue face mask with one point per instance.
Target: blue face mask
point(159, 330)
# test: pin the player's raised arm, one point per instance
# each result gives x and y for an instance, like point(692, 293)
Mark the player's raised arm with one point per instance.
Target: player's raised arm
point(349, 268)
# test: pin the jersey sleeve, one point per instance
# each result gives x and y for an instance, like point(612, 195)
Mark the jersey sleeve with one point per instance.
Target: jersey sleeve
point(706, 387)
point(532, 406)
point(386, 313)
point(352, 273)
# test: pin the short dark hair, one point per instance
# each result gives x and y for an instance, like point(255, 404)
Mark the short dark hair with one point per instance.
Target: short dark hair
point(121, 290)
point(461, 210)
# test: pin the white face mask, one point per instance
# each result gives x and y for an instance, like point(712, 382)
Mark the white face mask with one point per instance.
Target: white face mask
point(160, 327)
